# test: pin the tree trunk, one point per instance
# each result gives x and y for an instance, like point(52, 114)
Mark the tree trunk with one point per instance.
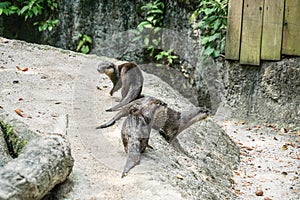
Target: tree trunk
point(43, 163)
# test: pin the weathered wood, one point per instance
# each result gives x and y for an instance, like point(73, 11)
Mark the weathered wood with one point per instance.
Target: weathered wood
point(234, 27)
point(291, 29)
point(43, 163)
point(272, 30)
point(252, 30)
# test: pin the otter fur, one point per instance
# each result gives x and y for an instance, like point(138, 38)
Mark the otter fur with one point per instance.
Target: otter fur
point(127, 76)
point(136, 130)
point(169, 122)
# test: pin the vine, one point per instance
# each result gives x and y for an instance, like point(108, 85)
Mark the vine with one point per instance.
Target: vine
point(211, 19)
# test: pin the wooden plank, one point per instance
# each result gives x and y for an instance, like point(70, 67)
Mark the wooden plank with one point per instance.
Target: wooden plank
point(272, 30)
point(251, 32)
point(234, 27)
point(291, 28)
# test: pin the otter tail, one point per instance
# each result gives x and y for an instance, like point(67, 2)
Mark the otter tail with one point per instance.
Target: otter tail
point(107, 124)
point(131, 96)
point(119, 115)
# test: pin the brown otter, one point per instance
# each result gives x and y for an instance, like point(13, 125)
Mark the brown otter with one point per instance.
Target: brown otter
point(136, 131)
point(169, 122)
point(127, 76)
point(138, 103)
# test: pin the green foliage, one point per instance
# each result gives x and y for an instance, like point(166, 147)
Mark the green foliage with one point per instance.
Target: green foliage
point(84, 43)
point(30, 9)
point(149, 30)
point(167, 56)
point(15, 144)
point(212, 23)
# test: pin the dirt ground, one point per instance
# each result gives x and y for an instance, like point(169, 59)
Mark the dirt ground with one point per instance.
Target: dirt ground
point(55, 84)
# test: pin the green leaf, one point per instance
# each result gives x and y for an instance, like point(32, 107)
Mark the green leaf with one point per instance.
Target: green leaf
point(156, 30)
point(80, 44)
point(140, 28)
point(50, 28)
point(35, 11)
point(155, 42)
point(136, 32)
point(208, 51)
point(208, 11)
point(204, 40)
point(88, 39)
point(146, 41)
point(85, 49)
point(159, 56)
point(136, 38)
point(25, 8)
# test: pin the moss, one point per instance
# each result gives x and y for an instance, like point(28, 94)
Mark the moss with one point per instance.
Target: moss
point(14, 143)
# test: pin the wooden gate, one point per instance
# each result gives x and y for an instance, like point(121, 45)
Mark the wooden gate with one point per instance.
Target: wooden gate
point(262, 30)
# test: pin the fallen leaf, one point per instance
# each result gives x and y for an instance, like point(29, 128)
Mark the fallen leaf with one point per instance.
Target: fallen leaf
point(267, 198)
point(99, 88)
point(284, 147)
point(290, 144)
point(259, 193)
point(247, 147)
point(284, 130)
point(24, 69)
point(179, 176)
point(20, 113)
point(284, 173)
point(237, 172)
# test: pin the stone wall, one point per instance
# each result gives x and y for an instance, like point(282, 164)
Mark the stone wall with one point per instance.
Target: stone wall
point(269, 93)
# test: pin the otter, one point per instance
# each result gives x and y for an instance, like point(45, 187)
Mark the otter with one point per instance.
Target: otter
point(169, 122)
point(136, 132)
point(127, 76)
point(138, 103)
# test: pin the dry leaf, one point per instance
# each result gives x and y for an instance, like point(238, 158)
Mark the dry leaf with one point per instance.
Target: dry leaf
point(267, 198)
point(237, 172)
point(247, 147)
point(20, 113)
point(24, 69)
point(99, 88)
point(179, 176)
point(291, 144)
point(284, 147)
point(259, 193)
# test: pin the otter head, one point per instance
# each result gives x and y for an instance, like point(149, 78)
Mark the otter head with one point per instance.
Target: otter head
point(107, 68)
